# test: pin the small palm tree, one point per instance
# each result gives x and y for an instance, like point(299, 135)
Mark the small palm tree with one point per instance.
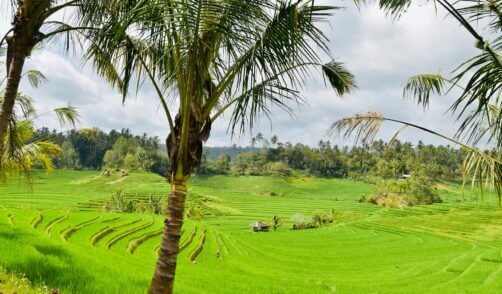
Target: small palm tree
point(276, 222)
point(19, 152)
point(211, 57)
point(274, 140)
point(253, 141)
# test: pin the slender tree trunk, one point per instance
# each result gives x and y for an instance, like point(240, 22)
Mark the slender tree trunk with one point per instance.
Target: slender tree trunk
point(163, 278)
point(13, 79)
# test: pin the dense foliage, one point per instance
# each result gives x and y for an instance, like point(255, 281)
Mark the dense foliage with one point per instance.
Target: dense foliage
point(327, 160)
point(95, 149)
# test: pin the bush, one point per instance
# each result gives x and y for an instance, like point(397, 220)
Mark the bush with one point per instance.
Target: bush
point(119, 203)
point(400, 193)
point(279, 169)
point(304, 226)
point(320, 218)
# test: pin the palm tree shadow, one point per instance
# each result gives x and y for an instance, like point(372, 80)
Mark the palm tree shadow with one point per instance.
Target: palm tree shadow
point(44, 263)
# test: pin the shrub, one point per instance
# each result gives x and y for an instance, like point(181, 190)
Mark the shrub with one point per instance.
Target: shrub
point(276, 222)
point(194, 212)
point(304, 226)
point(320, 218)
point(119, 203)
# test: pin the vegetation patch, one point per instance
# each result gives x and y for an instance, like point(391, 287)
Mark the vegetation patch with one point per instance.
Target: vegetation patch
point(54, 222)
point(403, 193)
point(36, 220)
point(189, 239)
point(197, 250)
point(10, 218)
point(11, 283)
point(133, 244)
point(66, 233)
point(127, 233)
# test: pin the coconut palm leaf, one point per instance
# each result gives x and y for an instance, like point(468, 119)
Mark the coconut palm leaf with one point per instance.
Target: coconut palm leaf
point(67, 116)
point(421, 87)
point(35, 78)
point(363, 127)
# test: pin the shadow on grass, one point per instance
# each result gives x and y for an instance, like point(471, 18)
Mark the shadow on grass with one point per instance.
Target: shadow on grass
point(43, 262)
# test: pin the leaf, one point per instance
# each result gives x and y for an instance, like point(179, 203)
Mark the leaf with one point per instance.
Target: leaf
point(342, 81)
point(35, 78)
point(421, 87)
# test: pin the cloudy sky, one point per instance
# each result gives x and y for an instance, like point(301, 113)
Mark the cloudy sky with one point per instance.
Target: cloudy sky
point(381, 52)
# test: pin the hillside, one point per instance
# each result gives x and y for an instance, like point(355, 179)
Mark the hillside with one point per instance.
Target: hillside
point(56, 233)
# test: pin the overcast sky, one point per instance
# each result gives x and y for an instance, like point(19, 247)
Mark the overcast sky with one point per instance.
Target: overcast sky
point(381, 52)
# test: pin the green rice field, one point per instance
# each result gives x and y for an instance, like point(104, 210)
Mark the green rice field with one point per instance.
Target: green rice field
point(55, 234)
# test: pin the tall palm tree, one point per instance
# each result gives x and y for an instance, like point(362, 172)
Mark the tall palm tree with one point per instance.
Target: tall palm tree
point(483, 167)
point(34, 22)
point(207, 58)
point(92, 134)
point(479, 79)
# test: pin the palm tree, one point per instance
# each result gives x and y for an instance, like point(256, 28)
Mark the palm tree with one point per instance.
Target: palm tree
point(479, 106)
point(259, 137)
point(211, 57)
point(482, 166)
point(92, 135)
point(253, 142)
point(19, 152)
point(34, 22)
point(274, 140)
point(478, 78)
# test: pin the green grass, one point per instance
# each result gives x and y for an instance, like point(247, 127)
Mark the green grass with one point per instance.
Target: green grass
point(54, 233)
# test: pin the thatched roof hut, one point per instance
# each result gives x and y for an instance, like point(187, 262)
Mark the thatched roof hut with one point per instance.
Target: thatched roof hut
point(260, 226)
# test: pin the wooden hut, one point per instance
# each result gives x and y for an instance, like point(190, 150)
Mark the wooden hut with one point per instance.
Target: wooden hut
point(260, 226)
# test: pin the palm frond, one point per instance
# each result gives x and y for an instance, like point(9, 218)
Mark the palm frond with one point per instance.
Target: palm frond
point(483, 88)
point(483, 170)
point(36, 77)
point(67, 115)
point(421, 87)
point(342, 81)
point(481, 166)
point(393, 7)
point(362, 127)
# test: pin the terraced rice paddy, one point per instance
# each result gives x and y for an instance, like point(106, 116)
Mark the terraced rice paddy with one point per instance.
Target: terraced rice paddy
point(56, 234)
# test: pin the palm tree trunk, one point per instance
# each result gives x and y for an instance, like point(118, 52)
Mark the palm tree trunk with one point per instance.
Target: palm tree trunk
point(15, 66)
point(163, 278)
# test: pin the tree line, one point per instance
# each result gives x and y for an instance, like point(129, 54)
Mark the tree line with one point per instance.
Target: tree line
point(95, 149)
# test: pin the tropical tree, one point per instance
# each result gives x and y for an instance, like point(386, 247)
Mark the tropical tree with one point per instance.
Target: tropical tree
point(253, 141)
point(33, 23)
point(19, 152)
point(274, 140)
point(478, 80)
point(211, 57)
point(92, 135)
point(479, 105)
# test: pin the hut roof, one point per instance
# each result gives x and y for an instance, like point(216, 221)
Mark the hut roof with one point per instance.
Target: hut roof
point(260, 224)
